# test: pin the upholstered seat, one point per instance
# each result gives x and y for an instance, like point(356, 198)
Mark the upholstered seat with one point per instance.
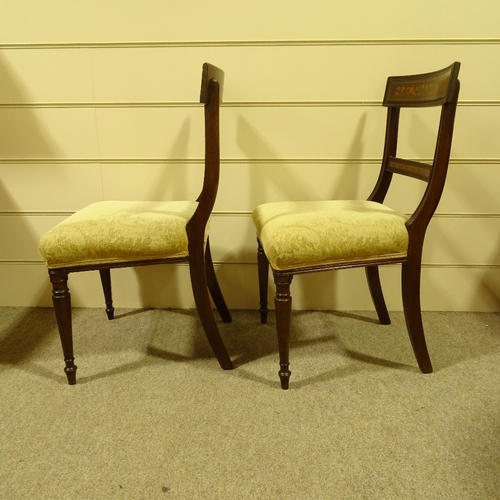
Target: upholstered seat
point(304, 233)
point(119, 231)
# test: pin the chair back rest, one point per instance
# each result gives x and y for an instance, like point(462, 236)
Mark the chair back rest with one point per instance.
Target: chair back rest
point(212, 82)
point(209, 73)
point(439, 88)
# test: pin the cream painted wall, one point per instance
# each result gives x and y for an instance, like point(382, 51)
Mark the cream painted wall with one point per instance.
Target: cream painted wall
point(98, 100)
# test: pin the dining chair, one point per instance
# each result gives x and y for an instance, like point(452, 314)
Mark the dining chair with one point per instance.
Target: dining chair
point(297, 237)
point(116, 234)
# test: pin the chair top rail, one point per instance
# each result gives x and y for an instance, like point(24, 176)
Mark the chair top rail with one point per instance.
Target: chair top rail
point(426, 89)
point(210, 72)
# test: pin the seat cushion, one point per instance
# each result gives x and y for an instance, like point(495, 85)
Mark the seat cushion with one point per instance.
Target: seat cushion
point(302, 234)
point(119, 231)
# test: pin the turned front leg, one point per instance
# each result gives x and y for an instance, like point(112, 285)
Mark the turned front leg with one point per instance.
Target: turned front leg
point(283, 304)
point(61, 299)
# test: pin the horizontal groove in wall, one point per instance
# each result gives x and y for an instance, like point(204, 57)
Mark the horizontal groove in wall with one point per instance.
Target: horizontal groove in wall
point(232, 161)
point(460, 215)
point(128, 104)
point(228, 104)
point(460, 266)
point(250, 43)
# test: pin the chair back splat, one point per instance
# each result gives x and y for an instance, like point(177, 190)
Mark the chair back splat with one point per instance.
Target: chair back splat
point(363, 233)
point(112, 234)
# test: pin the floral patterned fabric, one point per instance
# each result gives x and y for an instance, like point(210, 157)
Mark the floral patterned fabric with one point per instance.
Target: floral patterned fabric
point(301, 234)
point(119, 231)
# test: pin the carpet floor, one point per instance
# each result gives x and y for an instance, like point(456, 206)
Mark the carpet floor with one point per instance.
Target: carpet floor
point(153, 416)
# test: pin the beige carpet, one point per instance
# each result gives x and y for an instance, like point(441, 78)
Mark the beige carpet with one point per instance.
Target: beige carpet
point(153, 415)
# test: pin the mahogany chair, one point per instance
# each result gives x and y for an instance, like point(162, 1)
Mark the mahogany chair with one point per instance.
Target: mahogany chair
point(298, 237)
point(114, 234)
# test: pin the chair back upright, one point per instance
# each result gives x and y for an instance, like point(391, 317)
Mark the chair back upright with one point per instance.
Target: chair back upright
point(212, 82)
point(439, 88)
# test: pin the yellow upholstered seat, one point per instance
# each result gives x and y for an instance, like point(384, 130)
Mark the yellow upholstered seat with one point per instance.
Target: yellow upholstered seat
point(302, 234)
point(119, 231)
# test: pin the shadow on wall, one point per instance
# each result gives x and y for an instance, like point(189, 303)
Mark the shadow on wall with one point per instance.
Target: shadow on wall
point(21, 137)
point(490, 283)
point(349, 182)
point(24, 281)
point(471, 196)
point(277, 181)
point(477, 194)
point(160, 285)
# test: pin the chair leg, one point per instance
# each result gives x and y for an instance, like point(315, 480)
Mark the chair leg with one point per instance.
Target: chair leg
point(202, 299)
point(373, 278)
point(410, 281)
point(106, 286)
point(263, 270)
point(62, 306)
point(283, 304)
point(214, 288)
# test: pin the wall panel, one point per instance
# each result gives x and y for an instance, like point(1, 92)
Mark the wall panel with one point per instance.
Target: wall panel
point(24, 233)
point(325, 73)
point(122, 21)
point(270, 73)
point(152, 181)
point(48, 133)
point(99, 100)
point(151, 132)
point(25, 78)
point(40, 186)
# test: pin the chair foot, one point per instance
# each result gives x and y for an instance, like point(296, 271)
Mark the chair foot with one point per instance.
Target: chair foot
point(227, 365)
point(425, 366)
point(70, 371)
point(263, 315)
point(284, 374)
